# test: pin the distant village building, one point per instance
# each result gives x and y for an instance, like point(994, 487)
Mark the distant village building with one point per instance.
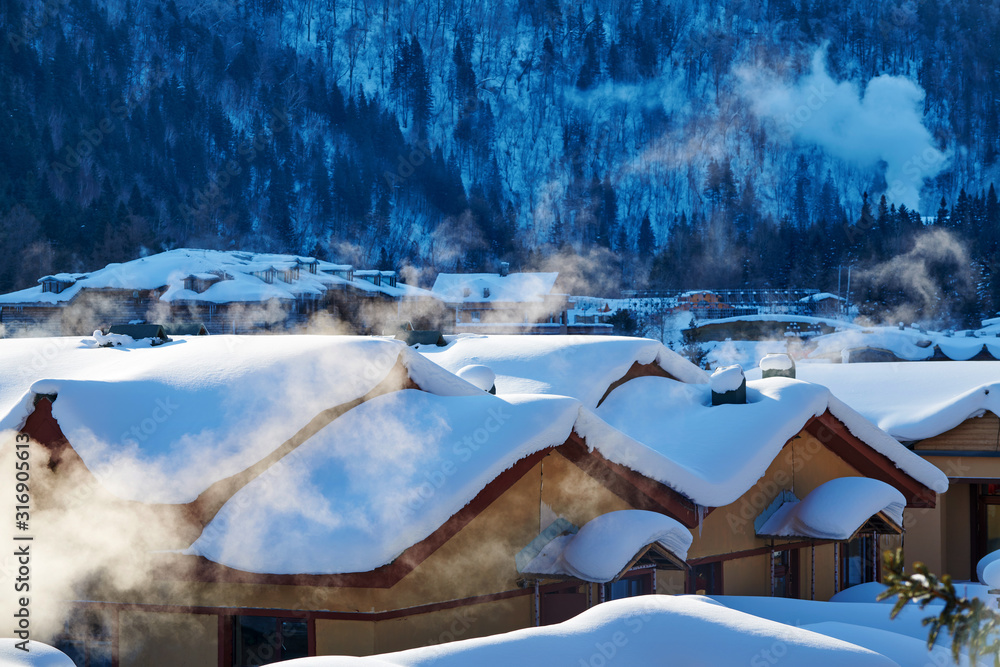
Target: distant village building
point(226, 291)
point(504, 302)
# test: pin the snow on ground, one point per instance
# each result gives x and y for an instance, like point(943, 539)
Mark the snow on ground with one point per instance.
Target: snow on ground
point(379, 479)
point(37, 655)
point(579, 366)
point(912, 401)
point(649, 630)
point(714, 454)
point(161, 424)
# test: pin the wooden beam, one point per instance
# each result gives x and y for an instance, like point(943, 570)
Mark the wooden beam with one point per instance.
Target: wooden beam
point(637, 370)
point(632, 487)
point(832, 433)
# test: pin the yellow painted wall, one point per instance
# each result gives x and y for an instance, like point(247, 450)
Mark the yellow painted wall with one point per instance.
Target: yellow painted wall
point(747, 576)
point(958, 532)
point(924, 539)
point(167, 640)
point(345, 637)
point(452, 624)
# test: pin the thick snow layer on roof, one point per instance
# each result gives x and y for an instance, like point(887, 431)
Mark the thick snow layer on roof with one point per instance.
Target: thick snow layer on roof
point(579, 366)
point(379, 479)
point(37, 655)
point(479, 375)
point(836, 509)
point(776, 361)
point(726, 379)
point(647, 630)
point(169, 269)
point(913, 401)
point(820, 296)
point(512, 288)
point(162, 424)
point(606, 544)
point(715, 454)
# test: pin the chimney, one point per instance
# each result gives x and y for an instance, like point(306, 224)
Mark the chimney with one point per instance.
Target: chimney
point(777, 365)
point(504, 269)
point(729, 386)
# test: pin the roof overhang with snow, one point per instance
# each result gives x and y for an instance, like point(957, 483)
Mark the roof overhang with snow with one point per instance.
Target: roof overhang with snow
point(839, 509)
point(606, 547)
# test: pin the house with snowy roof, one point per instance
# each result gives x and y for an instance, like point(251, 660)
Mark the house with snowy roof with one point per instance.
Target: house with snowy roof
point(947, 413)
point(510, 303)
point(275, 497)
point(227, 291)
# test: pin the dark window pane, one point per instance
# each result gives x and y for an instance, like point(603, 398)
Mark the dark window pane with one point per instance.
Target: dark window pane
point(708, 579)
point(627, 587)
point(255, 640)
point(294, 640)
point(99, 654)
point(76, 650)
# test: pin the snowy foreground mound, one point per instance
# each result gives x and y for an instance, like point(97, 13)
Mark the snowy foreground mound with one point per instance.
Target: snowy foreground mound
point(37, 655)
point(651, 630)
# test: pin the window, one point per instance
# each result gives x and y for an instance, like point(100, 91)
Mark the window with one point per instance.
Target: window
point(629, 587)
point(86, 639)
point(985, 520)
point(785, 568)
point(706, 579)
point(858, 561)
point(562, 604)
point(262, 640)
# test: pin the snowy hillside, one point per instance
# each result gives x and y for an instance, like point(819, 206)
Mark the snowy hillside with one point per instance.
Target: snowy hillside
point(697, 143)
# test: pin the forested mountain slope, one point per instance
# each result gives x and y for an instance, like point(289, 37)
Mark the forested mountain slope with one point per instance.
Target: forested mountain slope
point(656, 143)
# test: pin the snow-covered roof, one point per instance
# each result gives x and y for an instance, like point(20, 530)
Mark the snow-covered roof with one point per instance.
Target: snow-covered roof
point(913, 400)
point(579, 366)
point(379, 479)
point(907, 344)
point(162, 424)
point(836, 509)
point(512, 288)
point(169, 269)
point(819, 296)
point(607, 544)
point(713, 455)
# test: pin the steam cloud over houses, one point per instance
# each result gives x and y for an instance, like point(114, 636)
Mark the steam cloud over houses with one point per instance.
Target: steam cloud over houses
point(357, 496)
